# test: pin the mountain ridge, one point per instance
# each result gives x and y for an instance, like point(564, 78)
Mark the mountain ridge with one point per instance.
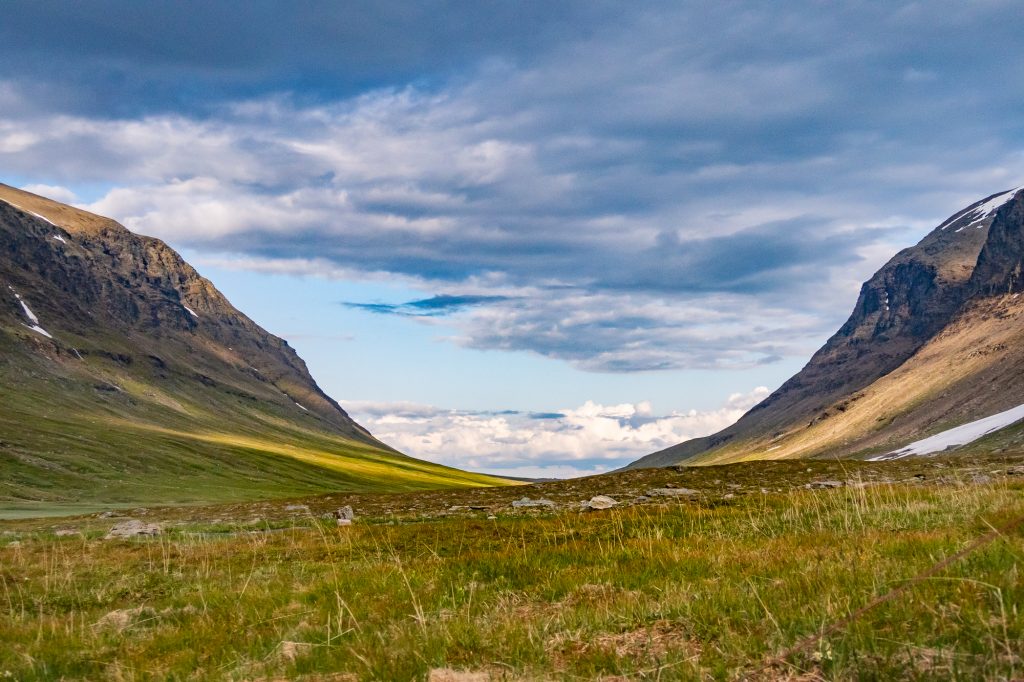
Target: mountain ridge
point(115, 334)
point(961, 266)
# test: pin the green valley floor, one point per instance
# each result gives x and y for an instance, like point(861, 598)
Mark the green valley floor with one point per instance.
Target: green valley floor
point(695, 574)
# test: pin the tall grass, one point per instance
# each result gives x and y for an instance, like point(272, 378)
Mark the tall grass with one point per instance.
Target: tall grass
point(672, 592)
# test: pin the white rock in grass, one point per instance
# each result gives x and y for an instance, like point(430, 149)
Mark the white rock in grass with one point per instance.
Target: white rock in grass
point(600, 502)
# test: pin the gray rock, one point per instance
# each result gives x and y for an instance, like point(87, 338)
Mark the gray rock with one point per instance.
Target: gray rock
point(823, 485)
point(728, 496)
point(982, 478)
point(132, 528)
point(344, 522)
point(526, 502)
point(344, 514)
point(641, 498)
point(671, 492)
point(296, 508)
point(65, 532)
point(1015, 471)
point(600, 502)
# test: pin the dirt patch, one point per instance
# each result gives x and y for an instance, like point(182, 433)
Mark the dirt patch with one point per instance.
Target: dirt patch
point(649, 643)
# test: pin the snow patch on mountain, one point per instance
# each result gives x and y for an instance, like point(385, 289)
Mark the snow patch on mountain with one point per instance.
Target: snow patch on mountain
point(25, 210)
point(980, 213)
point(955, 437)
point(30, 315)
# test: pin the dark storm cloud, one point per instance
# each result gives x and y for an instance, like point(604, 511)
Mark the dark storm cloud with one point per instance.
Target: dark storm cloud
point(115, 57)
point(629, 187)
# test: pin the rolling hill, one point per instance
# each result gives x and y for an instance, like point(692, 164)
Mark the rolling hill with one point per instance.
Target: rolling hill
point(934, 341)
point(127, 378)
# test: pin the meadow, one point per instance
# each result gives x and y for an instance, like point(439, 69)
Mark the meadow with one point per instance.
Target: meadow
point(717, 586)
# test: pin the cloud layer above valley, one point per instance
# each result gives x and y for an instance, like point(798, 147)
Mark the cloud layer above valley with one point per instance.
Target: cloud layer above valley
point(590, 438)
point(623, 187)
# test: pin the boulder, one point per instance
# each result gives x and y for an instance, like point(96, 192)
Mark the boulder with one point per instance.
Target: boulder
point(344, 514)
point(600, 502)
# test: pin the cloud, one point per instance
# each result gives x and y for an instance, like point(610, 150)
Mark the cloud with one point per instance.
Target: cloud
point(435, 306)
point(590, 438)
point(667, 186)
point(55, 192)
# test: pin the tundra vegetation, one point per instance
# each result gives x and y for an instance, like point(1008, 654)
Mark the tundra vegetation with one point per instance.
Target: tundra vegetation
point(715, 582)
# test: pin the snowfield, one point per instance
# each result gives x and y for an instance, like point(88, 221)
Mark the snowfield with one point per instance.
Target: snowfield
point(955, 437)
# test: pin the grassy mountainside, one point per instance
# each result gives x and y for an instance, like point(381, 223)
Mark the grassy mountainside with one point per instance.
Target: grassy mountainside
point(713, 586)
point(127, 378)
point(933, 342)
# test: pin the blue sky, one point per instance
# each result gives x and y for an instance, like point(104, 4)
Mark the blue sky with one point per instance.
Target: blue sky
point(526, 237)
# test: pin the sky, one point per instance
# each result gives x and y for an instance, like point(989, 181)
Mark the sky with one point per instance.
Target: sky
point(530, 238)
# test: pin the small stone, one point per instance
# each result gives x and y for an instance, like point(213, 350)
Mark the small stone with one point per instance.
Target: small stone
point(671, 492)
point(982, 479)
point(344, 514)
point(641, 498)
point(492, 517)
point(296, 508)
point(526, 502)
point(728, 496)
point(14, 543)
point(1015, 471)
point(600, 502)
point(344, 522)
point(65, 532)
point(132, 528)
point(822, 485)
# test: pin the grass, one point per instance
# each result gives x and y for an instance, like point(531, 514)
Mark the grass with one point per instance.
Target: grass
point(702, 589)
point(66, 446)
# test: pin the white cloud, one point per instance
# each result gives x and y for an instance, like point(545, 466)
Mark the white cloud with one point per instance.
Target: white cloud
point(587, 439)
point(55, 192)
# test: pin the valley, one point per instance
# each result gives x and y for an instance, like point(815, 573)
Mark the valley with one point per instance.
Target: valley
point(718, 572)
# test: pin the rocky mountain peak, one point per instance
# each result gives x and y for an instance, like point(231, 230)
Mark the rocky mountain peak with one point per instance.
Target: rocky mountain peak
point(977, 252)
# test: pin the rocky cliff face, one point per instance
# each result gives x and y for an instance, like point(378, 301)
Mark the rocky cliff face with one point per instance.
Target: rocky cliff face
point(99, 290)
point(923, 291)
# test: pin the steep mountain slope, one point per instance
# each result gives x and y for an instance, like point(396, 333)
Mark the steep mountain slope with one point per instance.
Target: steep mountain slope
point(934, 341)
point(126, 376)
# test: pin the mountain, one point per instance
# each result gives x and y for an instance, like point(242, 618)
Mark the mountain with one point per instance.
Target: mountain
point(127, 377)
point(935, 340)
